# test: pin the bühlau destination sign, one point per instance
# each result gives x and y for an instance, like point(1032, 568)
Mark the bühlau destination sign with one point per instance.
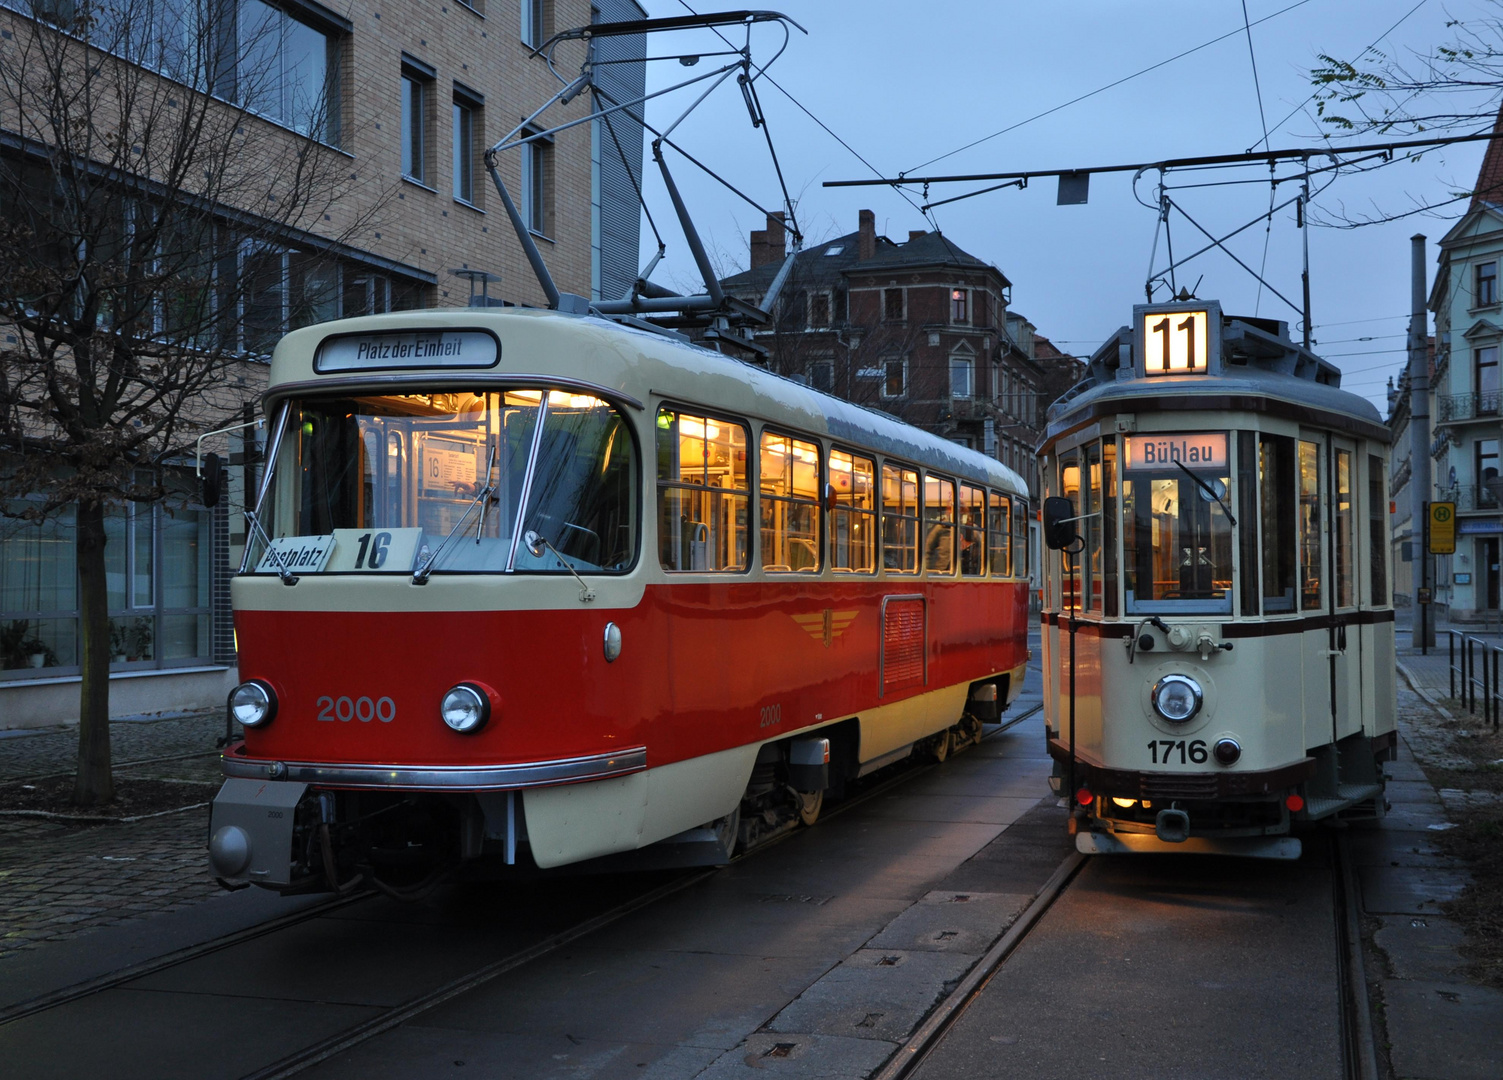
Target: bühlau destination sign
point(1159, 452)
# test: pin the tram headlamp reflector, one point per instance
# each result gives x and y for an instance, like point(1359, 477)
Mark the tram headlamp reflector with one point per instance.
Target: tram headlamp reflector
point(1177, 698)
point(465, 708)
point(253, 703)
point(1124, 803)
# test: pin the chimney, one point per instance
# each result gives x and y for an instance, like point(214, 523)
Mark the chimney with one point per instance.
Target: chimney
point(769, 245)
point(868, 230)
point(914, 234)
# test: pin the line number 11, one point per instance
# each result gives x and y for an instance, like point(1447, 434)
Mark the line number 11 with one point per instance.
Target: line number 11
point(1188, 326)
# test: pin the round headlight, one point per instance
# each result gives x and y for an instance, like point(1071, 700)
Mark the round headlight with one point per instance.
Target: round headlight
point(253, 703)
point(465, 708)
point(1177, 698)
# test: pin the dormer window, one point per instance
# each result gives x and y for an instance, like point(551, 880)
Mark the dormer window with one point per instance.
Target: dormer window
point(834, 249)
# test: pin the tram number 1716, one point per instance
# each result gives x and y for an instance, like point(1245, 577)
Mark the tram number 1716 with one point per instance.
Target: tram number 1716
point(1195, 753)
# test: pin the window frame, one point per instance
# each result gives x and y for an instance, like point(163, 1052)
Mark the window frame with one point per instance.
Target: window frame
point(960, 306)
point(748, 493)
point(933, 565)
point(902, 295)
point(817, 502)
point(417, 124)
point(470, 104)
point(911, 521)
point(835, 509)
point(887, 364)
point(1486, 280)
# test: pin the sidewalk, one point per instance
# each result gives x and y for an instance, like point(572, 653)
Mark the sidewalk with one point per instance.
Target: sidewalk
point(59, 880)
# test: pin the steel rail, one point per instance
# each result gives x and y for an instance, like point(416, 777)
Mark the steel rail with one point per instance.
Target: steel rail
point(1359, 1056)
point(101, 983)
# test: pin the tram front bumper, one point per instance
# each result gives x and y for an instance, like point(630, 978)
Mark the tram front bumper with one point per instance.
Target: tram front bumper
point(250, 830)
point(1249, 847)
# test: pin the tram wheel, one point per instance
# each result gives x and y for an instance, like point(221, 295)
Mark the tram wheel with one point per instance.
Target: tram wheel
point(940, 746)
point(810, 803)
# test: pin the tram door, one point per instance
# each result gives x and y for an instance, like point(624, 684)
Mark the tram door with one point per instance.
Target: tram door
point(1345, 633)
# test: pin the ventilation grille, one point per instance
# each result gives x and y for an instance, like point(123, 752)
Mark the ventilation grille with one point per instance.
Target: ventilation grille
point(1180, 787)
point(902, 644)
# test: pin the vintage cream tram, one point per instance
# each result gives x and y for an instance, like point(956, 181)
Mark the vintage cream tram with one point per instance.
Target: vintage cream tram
point(533, 588)
point(1218, 631)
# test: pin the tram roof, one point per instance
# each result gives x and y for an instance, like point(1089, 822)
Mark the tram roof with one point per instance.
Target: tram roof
point(633, 364)
point(1260, 366)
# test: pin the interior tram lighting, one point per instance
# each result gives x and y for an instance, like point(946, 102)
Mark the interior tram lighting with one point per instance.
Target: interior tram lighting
point(697, 429)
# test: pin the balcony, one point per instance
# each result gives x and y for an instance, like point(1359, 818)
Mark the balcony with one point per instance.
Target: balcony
point(1472, 497)
point(1454, 408)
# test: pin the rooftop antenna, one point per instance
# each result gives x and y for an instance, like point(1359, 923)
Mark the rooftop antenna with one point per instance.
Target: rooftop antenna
point(721, 317)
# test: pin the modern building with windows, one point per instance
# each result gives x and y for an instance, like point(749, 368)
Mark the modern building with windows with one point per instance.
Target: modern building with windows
point(1466, 393)
point(408, 97)
point(918, 328)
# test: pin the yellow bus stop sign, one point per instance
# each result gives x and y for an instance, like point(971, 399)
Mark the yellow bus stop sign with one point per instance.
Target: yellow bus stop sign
point(1442, 528)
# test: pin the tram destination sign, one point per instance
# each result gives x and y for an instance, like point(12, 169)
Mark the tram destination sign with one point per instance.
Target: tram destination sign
point(388, 351)
point(1155, 453)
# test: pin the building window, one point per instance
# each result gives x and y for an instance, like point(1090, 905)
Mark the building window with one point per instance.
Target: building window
point(895, 381)
point(1486, 360)
point(892, 305)
point(1487, 473)
point(467, 128)
point(536, 22)
point(960, 377)
point(416, 92)
point(284, 69)
point(537, 187)
point(157, 577)
point(960, 306)
point(819, 309)
point(822, 375)
point(1487, 284)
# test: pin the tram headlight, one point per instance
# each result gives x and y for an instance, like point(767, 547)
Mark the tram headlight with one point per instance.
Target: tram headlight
point(465, 708)
point(253, 703)
point(1177, 698)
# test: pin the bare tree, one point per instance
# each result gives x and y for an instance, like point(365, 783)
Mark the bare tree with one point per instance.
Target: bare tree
point(168, 150)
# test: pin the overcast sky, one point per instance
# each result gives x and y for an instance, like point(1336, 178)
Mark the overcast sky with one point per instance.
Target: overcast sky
point(904, 83)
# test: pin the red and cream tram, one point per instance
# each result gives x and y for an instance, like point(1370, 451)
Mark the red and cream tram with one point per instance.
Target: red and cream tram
point(544, 588)
point(1219, 636)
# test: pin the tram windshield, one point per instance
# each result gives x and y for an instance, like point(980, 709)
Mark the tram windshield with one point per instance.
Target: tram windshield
point(488, 482)
point(1177, 537)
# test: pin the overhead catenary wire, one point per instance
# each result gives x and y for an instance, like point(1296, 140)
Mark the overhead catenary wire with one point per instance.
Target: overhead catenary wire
point(1258, 89)
point(1102, 89)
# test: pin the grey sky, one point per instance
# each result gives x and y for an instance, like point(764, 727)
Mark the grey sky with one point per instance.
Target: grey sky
point(905, 82)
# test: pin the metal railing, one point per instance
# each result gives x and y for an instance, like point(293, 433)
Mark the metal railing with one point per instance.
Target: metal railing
point(1462, 650)
point(1472, 496)
point(1466, 406)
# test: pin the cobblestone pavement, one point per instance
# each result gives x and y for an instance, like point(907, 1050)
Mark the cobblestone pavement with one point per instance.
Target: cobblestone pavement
point(58, 881)
point(55, 750)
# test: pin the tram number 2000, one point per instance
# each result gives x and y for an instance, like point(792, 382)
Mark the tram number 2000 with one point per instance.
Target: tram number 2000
point(1163, 750)
point(363, 709)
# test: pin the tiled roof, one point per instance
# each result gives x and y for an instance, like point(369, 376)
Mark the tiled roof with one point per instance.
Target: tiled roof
point(1490, 177)
point(815, 265)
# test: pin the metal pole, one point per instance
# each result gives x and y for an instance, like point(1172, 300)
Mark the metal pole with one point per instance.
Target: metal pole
point(1419, 432)
point(1304, 220)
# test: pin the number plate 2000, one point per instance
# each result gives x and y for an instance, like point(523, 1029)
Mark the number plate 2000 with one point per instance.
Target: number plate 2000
point(363, 709)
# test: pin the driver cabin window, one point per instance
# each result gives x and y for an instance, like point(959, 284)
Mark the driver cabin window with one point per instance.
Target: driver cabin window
point(703, 492)
point(789, 504)
point(1177, 537)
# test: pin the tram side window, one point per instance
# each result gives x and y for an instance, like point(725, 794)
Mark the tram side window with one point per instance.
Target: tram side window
point(1091, 560)
point(1377, 527)
point(789, 504)
point(900, 519)
point(1346, 578)
point(1309, 526)
point(998, 526)
point(939, 525)
point(853, 521)
point(1277, 514)
point(1020, 537)
point(702, 492)
point(1069, 487)
point(972, 514)
point(1247, 520)
point(1109, 525)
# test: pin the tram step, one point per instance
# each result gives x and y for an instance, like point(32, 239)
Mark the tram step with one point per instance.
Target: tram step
point(1319, 806)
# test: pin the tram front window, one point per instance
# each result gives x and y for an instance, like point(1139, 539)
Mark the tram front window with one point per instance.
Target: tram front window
point(386, 483)
point(1177, 538)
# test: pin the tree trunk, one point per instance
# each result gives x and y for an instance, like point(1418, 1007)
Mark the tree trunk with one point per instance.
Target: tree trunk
point(95, 784)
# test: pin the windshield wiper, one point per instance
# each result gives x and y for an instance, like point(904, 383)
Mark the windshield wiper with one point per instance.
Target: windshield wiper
point(481, 499)
point(283, 571)
point(1208, 490)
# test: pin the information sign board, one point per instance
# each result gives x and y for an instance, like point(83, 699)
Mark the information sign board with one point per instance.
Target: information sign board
point(1442, 528)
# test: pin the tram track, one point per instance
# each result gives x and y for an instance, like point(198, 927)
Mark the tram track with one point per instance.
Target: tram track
point(395, 1015)
point(1358, 1049)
